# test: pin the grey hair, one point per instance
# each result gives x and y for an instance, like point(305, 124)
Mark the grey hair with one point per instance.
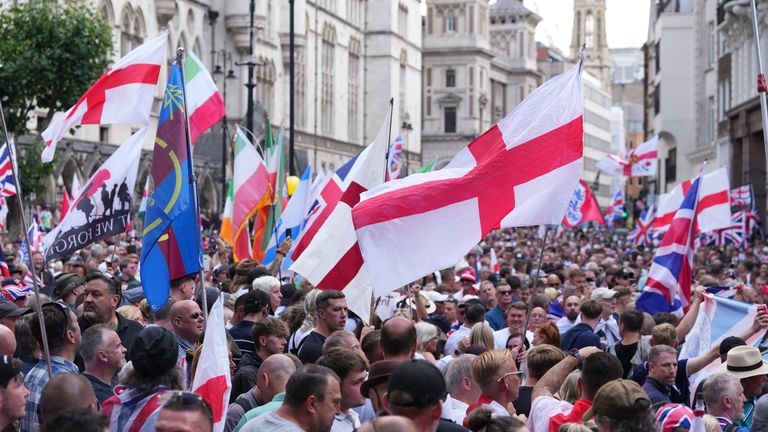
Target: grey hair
point(456, 370)
point(425, 332)
point(311, 308)
point(658, 350)
point(644, 423)
point(92, 340)
point(265, 283)
point(719, 385)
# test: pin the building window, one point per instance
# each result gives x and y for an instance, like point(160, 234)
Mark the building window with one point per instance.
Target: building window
point(265, 84)
point(724, 95)
point(670, 166)
point(657, 99)
point(402, 20)
point(428, 104)
point(327, 67)
point(403, 85)
point(131, 31)
point(711, 120)
point(657, 56)
point(711, 43)
point(301, 88)
point(354, 90)
point(589, 26)
point(450, 78)
point(449, 125)
point(103, 134)
point(450, 24)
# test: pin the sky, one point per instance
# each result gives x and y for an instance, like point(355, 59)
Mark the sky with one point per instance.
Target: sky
point(626, 22)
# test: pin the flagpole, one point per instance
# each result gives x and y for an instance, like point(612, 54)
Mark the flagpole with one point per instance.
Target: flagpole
point(535, 281)
point(761, 84)
point(35, 283)
point(389, 138)
point(193, 180)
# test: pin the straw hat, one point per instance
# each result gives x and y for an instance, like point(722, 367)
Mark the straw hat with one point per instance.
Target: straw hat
point(745, 362)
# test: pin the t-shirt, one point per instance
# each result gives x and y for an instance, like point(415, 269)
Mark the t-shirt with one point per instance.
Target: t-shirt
point(270, 422)
point(625, 354)
point(103, 391)
point(241, 333)
point(580, 336)
point(548, 413)
point(311, 347)
point(523, 402)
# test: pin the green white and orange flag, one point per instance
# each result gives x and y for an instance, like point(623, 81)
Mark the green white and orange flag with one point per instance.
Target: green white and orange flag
point(226, 218)
point(262, 229)
point(204, 102)
point(276, 169)
point(250, 184)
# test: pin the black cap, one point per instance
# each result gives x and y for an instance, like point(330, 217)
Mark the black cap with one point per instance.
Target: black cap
point(154, 352)
point(9, 368)
point(417, 384)
point(729, 343)
point(65, 284)
point(10, 309)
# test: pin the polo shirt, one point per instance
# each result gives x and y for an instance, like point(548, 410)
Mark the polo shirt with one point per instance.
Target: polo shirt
point(268, 407)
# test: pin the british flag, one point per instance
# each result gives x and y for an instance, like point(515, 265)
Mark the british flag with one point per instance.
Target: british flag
point(668, 288)
point(395, 158)
point(642, 234)
point(616, 209)
point(7, 185)
point(743, 225)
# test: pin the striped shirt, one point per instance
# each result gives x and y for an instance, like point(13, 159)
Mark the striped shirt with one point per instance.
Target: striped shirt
point(35, 381)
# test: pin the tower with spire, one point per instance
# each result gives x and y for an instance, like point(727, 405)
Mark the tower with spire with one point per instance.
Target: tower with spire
point(589, 31)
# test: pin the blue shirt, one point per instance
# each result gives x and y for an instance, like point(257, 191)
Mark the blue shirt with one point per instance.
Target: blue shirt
point(495, 318)
point(242, 334)
point(579, 336)
point(35, 381)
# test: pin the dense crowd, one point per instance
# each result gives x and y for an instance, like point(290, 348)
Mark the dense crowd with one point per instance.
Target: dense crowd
point(492, 344)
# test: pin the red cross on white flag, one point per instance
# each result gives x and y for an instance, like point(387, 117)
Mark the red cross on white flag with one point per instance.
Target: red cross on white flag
point(124, 94)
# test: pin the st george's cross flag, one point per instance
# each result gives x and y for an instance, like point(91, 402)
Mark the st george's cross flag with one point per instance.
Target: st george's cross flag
point(714, 208)
point(124, 94)
point(668, 287)
point(582, 207)
point(741, 198)
point(640, 161)
point(103, 207)
point(212, 377)
point(521, 172)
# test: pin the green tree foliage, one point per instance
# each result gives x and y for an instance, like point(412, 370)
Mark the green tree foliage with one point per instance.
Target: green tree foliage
point(50, 52)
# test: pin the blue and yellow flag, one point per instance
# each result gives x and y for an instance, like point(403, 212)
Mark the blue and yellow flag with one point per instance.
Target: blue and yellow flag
point(170, 247)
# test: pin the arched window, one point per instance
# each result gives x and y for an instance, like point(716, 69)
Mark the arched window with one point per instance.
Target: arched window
point(327, 68)
point(589, 28)
point(131, 29)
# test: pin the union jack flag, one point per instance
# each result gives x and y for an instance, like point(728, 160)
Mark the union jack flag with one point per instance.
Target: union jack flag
point(668, 288)
point(395, 158)
point(743, 225)
point(741, 198)
point(7, 186)
point(616, 209)
point(642, 235)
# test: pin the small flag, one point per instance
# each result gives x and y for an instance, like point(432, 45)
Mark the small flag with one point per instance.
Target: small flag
point(395, 158)
point(582, 207)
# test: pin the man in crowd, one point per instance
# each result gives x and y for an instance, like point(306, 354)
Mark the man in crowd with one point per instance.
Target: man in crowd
point(375, 387)
point(66, 392)
point(578, 279)
point(13, 394)
point(312, 402)
point(270, 286)
point(183, 288)
point(724, 398)
point(415, 390)
point(266, 396)
point(631, 350)
point(539, 360)
point(187, 321)
point(499, 380)
point(128, 269)
point(10, 312)
point(398, 339)
point(745, 363)
point(662, 372)
point(352, 370)
point(516, 313)
point(495, 316)
point(254, 306)
point(104, 357)
point(331, 316)
point(621, 405)
point(487, 294)
point(607, 328)
point(461, 386)
point(184, 412)
point(474, 313)
point(64, 340)
point(583, 334)
point(571, 307)
point(102, 298)
point(269, 335)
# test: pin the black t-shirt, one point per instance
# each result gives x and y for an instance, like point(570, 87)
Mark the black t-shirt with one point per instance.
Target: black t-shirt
point(102, 391)
point(523, 402)
point(625, 354)
point(311, 347)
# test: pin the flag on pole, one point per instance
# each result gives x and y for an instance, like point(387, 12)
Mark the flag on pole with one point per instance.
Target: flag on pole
point(226, 232)
point(714, 208)
point(212, 377)
point(204, 102)
point(494, 261)
point(616, 209)
point(103, 207)
point(290, 222)
point(144, 195)
point(641, 161)
point(277, 190)
point(124, 94)
point(741, 198)
point(668, 288)
point(395, 158)
point(430, 166)
point(332, 259)
point(7, 185)
point(263, 209)
point(642, 235)
point(521, 172)
point(250, 185)
point(582, 207)
point(3, 214)
point(171, 249)
point(65, 203)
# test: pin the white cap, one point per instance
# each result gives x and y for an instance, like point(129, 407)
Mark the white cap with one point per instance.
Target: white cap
point(436, 296)
point(603, 293)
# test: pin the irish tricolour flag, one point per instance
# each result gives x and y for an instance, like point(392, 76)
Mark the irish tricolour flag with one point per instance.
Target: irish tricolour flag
point(251, 182)
point(204, 101)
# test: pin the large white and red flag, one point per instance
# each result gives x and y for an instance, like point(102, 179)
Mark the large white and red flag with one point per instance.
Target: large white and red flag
point(124, 94)
point(521, 172)
point(582, 207)
point(212, 380)
point(332, 258)
point(641, 161)
point(714, 209)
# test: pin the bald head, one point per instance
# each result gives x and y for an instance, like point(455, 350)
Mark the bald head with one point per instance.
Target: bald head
point(273, 375)
point(389, 424)
point(182, 308)
point(398, 339)
point(7, 341)
point(66, 392)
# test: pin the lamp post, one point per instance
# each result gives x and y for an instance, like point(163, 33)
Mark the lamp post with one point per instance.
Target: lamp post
point(222, 60)
point(406, 127)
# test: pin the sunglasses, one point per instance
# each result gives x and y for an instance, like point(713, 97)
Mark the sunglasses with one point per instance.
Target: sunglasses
point(504, 292)
point(508, 374)
point(196, 315)
point(181, 400)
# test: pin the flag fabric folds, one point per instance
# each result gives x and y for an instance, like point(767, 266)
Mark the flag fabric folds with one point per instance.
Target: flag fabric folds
point(742, 198)
point(103, 207)
point(714, 208)
point(641, 161)
point(143, 204)
point(250, 184)
point(291, 221)
point(225, 231)
point(642, 234)
point(170, 245)
point(582, 207)
point(668, 287)
point(332, 260)
point(521, 172)
point(124, 94)
point(615, 210)
point(395, 161)
point(277, 192)
point(7, 185)
point(212, 377)
point(204, 102)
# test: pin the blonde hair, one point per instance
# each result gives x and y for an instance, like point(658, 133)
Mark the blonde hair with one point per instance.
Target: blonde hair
point(131, 312)
point(482, 334)
point(425, 332)
point(664, 334)
point(311, 308)
point(569, 391)
point(573, 427)
point(711, 424)
point(486, 366)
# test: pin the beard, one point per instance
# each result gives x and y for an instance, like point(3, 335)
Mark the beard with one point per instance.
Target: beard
point(572, 315)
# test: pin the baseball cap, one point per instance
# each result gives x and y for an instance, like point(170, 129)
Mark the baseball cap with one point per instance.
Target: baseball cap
point(436, 296)
point(620, 399)
point(468, 276)
point(674, 415)
point(417, 384)
point(729, 343)
point(15, 292)
point(603, 294)
point(469, 298)
point(65, 284)
point(379, 373)
point(154, 352)
point(10, 309)
point(9, 368)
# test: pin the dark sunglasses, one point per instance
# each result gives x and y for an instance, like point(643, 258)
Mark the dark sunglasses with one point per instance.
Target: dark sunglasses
point(181, 400)
point(196, 315)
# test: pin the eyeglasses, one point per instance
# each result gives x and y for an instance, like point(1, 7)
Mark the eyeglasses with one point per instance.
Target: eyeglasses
point(181, 400)
point(504, 292)
point(64, 309)
point(508, 374)
point(196, 315)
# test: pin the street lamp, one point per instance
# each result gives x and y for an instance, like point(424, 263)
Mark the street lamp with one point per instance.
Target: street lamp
point(406, 127)
point(223, 59)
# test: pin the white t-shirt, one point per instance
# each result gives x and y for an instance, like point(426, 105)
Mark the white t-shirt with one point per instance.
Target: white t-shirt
point(543, 408)
point(452, 344)
point(500, 337)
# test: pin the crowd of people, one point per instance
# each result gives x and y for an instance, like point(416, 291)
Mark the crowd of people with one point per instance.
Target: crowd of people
point(518, 347)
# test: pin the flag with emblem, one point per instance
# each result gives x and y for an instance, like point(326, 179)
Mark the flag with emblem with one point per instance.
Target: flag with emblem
point(521, 172)
point(582, 207)
point(124, 94)
point(171, 248)
point(741, 198)
point(641, 161)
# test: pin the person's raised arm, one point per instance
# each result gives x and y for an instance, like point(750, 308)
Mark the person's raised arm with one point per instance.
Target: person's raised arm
point(554, 378)
point(698, 363)
point(686, 324)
